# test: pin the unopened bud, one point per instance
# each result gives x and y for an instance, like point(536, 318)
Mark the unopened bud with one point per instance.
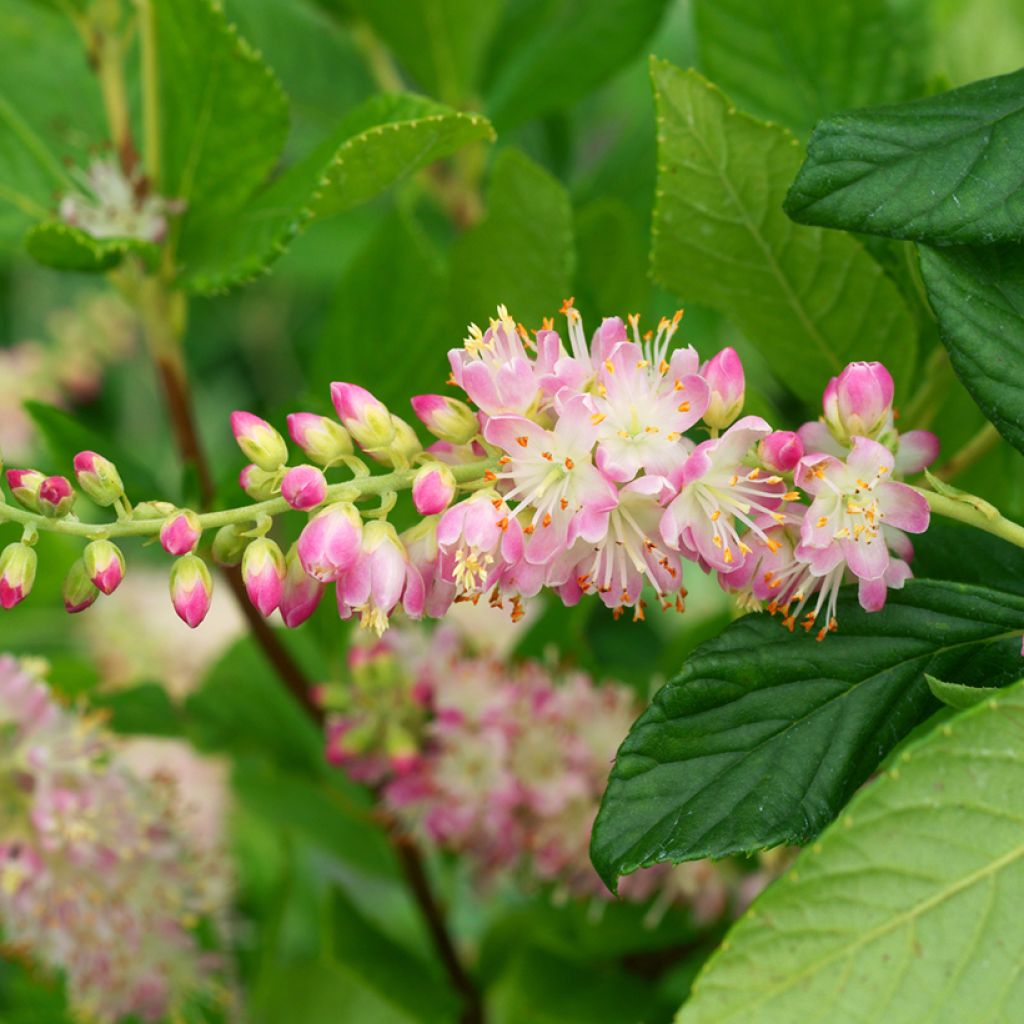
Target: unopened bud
point(433, 489)
point(330, 542)
point(18, 564)
point(149, 510)
point(858, 403)
point(366, 418)
point(191, 589)
point(446, 418)
point(56, 497)
point(304, 487)
point(104, 565)
point(229, 545)
point(300, 593)
point(180, 533)
point(79, 591)
point(263, 573)
point(259, 441)
point(260, 484)
point(323, 440)
point(98, 477)
point(24, 485)
point(724, 375)
point(781, 450)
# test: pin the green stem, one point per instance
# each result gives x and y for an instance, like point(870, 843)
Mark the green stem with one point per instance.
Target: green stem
point(356, 490)
point(150, 94)
point(924, 405)
point(981, 444)
point(990, 521)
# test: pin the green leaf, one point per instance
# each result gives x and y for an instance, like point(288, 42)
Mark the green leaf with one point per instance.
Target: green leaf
point(378, 144)
point(521, 254)
point(797, 61)
point(393, 285)
point(978, 297)
point(223, 116)
point(144, 710)
point(907, 908)
point(611, 246)
point(952, 551)
point(550, 54)
point(57, 245)
point(810, 300)
point(943, 170)
point(440, 42)
point(764, 735)
point(956, 695)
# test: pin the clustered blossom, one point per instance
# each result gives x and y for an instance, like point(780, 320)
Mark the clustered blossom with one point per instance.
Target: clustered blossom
point(97, 878)
point(505, 765)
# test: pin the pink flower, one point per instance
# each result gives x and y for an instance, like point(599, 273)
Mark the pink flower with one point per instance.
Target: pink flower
point(56, 497)
point(259, 441)
point(424, 555)
point(551, 472)
point(324, 441)
point(853, 501)
point(859, 401)
point(717, 491)
point(191, 589)
point(329, 543)
point(304, 487)
point(300, 593)
point(18, 563)
point(24, 485)
point(98, 477)
point(104, 565)
point(433, 489)
point(263, 573)
point(479, 539)
point(446, 418)
point(180, 533)
point(915, 450)
point(781, 450)
point(724, 374)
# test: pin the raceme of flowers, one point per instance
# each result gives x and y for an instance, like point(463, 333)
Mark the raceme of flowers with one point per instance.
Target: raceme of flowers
point(97, 878)
point(502, 764)
point(597, 468)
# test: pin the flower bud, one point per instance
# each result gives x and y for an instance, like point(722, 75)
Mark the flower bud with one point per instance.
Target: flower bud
point(18, 564)
point(858, 403)
point(380, 579)
point(99, 478)
point(104, 565)
point(406, 445)
point(259, 441)
point(24, 485)
point(364, 417)
point(724, 375)
point(329, 543)
point(433, 489)
point(259, 484)
point(446, 418)
point(323, 440)
point(304, 487)
point(191, 589)
point(149, 510)
point(263, 573)
point(79, 591)
point(781, 450)
point(56, 497)
point(180, 533)
point(229, 545)
point(300, 594)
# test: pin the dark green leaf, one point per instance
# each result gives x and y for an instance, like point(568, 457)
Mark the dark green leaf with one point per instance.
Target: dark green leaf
point(809, 299)
point(145, 710)
point(944, 170)
point(978, 297)
point(797, 61)
point(549, 54)
point(765, 735)
point(57, 245)
point(521, 254)
point(611, 275)
point(952, 551)
point(956, 695)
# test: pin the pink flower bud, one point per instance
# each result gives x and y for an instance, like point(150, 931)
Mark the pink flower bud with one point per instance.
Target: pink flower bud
point(724, 374)
point(98, 477)
point(18, 564)
point(300, 594)
point(858, 403)
point(180, 533)
point(104, 565)
point(329, 543)
point(259, 484)
point(79, 591)
point(24, 485)
point(56, 497)
point(364, 417)
point(425, 557)
point(323, 440)
point(304, 487)
point(263, 573)
point(446, 418)
point(191, 589)
point(781, 450)
point(259, 441)
point(433, 489)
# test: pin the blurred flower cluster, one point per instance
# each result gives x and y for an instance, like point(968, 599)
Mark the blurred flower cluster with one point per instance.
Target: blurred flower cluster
point(504, 764)
point(98, 878)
